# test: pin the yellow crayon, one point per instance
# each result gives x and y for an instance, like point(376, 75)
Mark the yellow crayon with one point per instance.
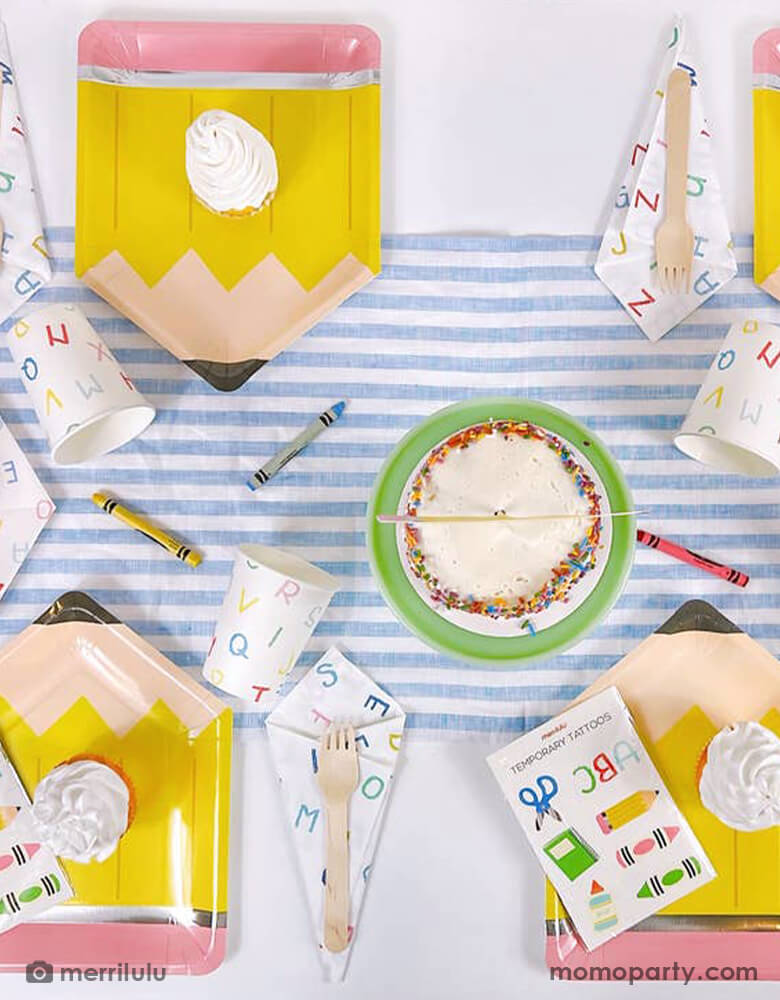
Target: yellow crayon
point(138, 523)
point(626, 810)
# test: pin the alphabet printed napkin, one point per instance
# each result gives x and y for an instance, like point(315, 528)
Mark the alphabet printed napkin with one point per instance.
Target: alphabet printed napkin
point(335, 690)
point(25, 507)
point(24, 259)
point(31, 878)
point(626, 261)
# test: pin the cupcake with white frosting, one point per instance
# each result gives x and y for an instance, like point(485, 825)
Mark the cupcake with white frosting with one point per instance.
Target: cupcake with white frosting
point(739, 776)
point(231, 166)
point(83, 808)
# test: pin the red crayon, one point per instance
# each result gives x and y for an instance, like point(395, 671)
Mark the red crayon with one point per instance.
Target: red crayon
point(19, 854)
point(692, 558)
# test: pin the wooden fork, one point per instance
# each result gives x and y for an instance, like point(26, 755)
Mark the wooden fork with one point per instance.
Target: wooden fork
point(337, 775)
point(674, 238)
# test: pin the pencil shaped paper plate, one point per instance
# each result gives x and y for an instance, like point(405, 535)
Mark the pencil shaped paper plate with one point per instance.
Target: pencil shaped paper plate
point(512, 593)
point(90, 686)
point(766, 156)
point(226, 290)
point(695, 675)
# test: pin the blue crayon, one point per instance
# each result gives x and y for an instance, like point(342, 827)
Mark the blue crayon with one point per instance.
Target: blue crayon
point(296, 446)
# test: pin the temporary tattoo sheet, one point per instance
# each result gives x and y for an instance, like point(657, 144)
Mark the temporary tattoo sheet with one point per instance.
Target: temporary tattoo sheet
point(31, 878)
point(599, 818)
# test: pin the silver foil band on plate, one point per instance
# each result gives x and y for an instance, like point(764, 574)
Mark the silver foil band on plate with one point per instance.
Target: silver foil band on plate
point(229, 80)
point(766, 81)
point(176, 916)
point(682, 924)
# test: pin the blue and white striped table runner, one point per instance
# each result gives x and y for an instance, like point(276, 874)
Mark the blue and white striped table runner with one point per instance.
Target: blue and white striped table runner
point(451, 317)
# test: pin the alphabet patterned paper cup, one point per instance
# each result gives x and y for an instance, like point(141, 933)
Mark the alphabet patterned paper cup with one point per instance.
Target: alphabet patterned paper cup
point(271, 608)
point(733, 424)
point(84, 400)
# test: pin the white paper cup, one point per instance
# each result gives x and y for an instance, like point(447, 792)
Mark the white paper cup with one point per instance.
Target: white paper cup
point(271, 608)
point(85, 402)
point(734, 422)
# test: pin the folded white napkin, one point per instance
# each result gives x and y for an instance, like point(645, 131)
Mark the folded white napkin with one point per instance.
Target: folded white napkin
point(24, 259)
point(626, 260)
point(25, 507)
point(335, 690)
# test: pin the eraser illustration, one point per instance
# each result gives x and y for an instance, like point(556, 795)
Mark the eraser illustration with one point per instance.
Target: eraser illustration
point(570, 853)
point(626, 809)
point(656, 886)
point(660, 837)
point(602, 907)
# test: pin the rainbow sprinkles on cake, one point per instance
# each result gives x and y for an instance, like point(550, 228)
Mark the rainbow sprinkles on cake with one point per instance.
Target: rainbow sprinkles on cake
point(502, 569)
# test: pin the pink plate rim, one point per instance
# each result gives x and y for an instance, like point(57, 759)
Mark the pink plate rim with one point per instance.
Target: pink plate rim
point(170, 46)
point(766, 52)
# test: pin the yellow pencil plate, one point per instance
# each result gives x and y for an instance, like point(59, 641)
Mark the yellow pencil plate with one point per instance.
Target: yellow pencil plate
point(76, 682)
point(225, 295)
point(695, 674)
point(766, 143)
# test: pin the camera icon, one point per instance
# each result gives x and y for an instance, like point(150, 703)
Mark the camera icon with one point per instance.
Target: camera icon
point(40, 972)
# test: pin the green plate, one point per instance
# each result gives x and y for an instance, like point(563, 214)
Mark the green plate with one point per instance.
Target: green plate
point(418, 615)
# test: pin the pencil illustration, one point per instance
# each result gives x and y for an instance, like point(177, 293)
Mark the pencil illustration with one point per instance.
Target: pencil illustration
point(7, 815)
point(626, 810)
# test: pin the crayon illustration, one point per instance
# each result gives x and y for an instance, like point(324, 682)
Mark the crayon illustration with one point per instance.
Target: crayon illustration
point(548, 788)
point(660, 837)
point(12, 902)
point(18, 854)
point(570, 853)
point(7, 815)
point(627, 809)
point(656, 886)
point(602, 908)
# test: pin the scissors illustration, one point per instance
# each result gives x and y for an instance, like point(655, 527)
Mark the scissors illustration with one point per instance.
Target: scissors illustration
point(548, 787)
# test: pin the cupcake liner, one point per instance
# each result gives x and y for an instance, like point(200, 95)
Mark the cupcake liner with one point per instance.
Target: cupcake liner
point(701, 760)
point(237, 213)
point(204, 159)
point(112, 765)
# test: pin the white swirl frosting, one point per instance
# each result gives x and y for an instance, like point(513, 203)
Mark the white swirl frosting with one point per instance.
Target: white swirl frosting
point(740, 781)
point(231, 166)
point(81, 809)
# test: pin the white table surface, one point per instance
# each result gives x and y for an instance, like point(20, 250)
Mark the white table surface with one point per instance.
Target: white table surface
point(499, 116)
